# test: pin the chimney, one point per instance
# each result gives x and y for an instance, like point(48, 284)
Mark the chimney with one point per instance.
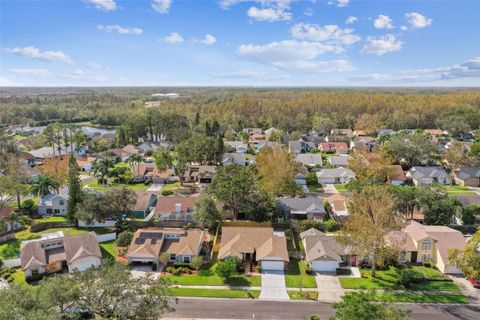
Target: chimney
point(178, 207)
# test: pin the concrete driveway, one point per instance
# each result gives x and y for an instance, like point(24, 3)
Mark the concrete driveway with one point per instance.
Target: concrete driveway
point(329, 288)
point(329, 188)
point(273, 286)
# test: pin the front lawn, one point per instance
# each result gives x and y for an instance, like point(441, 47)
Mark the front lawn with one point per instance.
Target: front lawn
point(317, 188)
point(390, 279)
point(51, 219)
point(459, 190)
point(304, 295)
point(296, 275)
point(131, 186)
point(108, 249)
point(214, 280)
point(342, 188)
point(216, 293)
point(420, 297)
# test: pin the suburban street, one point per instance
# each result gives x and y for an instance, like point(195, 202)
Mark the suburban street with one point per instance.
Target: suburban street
point(199, 308)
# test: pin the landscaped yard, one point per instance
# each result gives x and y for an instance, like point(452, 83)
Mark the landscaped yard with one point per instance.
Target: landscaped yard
point(51, 219)
point(133, 186)
point(293, 279)
point(341, 188)
point(108, 249)
point(216, 293)
point(390, 279)
point(317, 187)
point(214, 280)
point(458, 190)
point(304, 295)
point(11, 249)
point(421, 297)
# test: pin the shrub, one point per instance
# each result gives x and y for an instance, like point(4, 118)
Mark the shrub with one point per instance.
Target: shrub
point(427, 264)
point(124, 239)
point(197, 262)
point(205, 273)
point(308, 268)
point(314, 317)
point(409, 277)
point(227, 268)
point(312, 178)
point(329, 225)
point(181, 265)
point(167, 192)
point(7, 276)
point(259, 268)
point(343, 272)
point(185, 270)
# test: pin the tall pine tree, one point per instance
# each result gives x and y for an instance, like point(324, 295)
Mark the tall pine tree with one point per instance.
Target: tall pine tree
point(74, 188)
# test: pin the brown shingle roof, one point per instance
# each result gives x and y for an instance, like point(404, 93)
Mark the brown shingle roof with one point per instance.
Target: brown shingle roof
point(320, 247)
point(167, 204)
point(395, 172)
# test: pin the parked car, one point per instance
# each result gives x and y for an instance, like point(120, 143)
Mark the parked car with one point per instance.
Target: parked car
point(475, 282)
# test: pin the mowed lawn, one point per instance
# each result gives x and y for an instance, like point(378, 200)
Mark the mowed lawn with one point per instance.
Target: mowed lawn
point(390, 279)
point(296, 275)
point(133, 186)
point(412, 297)
point(216, 293)
point(342, 188)
point(459, 190)
point(304, 295)
point(108, 249)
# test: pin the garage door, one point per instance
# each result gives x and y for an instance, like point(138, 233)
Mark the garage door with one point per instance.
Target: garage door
point(324, 266)
point(272, 265)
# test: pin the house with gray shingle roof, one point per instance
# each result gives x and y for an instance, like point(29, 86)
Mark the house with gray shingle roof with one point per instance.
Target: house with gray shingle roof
point(335, 176)
point(428, 175)
point(467, 176)
point(311, 208)
point(309, 159)
point(339, 161)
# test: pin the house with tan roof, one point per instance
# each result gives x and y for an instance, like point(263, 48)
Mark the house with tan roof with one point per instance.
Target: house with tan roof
point(467, 176)
point(338, 205)
point(325, 253)
point(199, 174)
point(148, 172)
point(255, 245)
point(180, 245)
point(395, 175)
point(176, 208)
point(86, 162)
point(56, 251)
point(421, 243)
point(146, 202)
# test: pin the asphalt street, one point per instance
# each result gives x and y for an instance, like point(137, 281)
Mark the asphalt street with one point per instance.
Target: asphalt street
point(198, 308)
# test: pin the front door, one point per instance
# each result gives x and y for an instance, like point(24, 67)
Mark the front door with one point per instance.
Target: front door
point(413, 258)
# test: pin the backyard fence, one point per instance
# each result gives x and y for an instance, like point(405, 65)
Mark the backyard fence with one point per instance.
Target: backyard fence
point(106, 237)
point(11, 263)
point(96, 224)
point(37, 227)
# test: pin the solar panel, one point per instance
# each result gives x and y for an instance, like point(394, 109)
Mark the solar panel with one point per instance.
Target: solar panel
point(153, 241)
point(140, 241)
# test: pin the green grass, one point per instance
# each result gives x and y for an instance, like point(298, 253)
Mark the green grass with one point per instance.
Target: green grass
point(421, 298)
point(19, 277)
point(296, 274)
point(108, 249)
point(459, 190)
point(315, 188)
point(216, 293)
point(341, 188)
point(305, 295)
point(51, 219)
point(214, 280)
point(134, 186)
point(389, 279)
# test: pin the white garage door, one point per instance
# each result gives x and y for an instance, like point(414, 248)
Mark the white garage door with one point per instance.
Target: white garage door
point(272, 265)
point(324, 266)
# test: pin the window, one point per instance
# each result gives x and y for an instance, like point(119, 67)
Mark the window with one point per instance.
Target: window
point(186, 259)
point(172, 257)
point(62, 202)
point(34, 271)
point(425, 257)
point(403, 257)
point(56, 211)
point(426, 245)
point(49, 210)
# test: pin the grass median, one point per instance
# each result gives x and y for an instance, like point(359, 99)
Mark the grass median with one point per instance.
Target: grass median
point(216, 293)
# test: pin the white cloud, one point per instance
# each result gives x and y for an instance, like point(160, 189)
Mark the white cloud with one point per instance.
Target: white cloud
point(173, 37)
point(351, 20)
point(342, 3)
point(105, 5)
point(208, 40)
point(161, 6)
point(404, 28)
point(293, 55)
point(382, 45)
point(308, 12)
point(41, 73)
point(35, 53)
point(226, 4)
point(269, 14)
point(6, 82)
point(383, 22)
point(78, 72)
point(120, 29)
point(466, 70)
point(329, 33)
point(417, 20)
point(94, 65)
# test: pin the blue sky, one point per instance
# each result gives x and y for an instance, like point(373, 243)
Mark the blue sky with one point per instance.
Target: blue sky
point(235, 42)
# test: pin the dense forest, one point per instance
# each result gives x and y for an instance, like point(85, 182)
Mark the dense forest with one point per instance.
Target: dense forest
point(289, 109)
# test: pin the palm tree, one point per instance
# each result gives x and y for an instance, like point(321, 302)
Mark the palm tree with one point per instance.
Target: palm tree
point(102, 168)
point(44, 185)
point(135, 159)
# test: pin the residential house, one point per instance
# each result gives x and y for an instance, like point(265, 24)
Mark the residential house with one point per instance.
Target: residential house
point(176, 208)
point(422, 243)
point(335, 176)
point(251, 131)
point(301, 176)
point(53, 204)
point(297, 146)
point(428, 175)
point(131, 149)
point(467, 176)
point(255, 245)
point(333, 147)
point(234, 158)
point(148, 172)
point(339, 161)
point(86, 162)
point(120, 154)
point(309, 159)
point(337, 139)
point(363, 144)
point(385, 132)
point(395, 175)
point(180, 245)
point(324, 253)
point(199, 174)
point(8, 225)
point(238, 146)
point(359, 133)
point(342, 132)
point(145, 203)
point(48, 152)
point(56, 251)
point(28, 158)
point(338, 205)
point(310, 208)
